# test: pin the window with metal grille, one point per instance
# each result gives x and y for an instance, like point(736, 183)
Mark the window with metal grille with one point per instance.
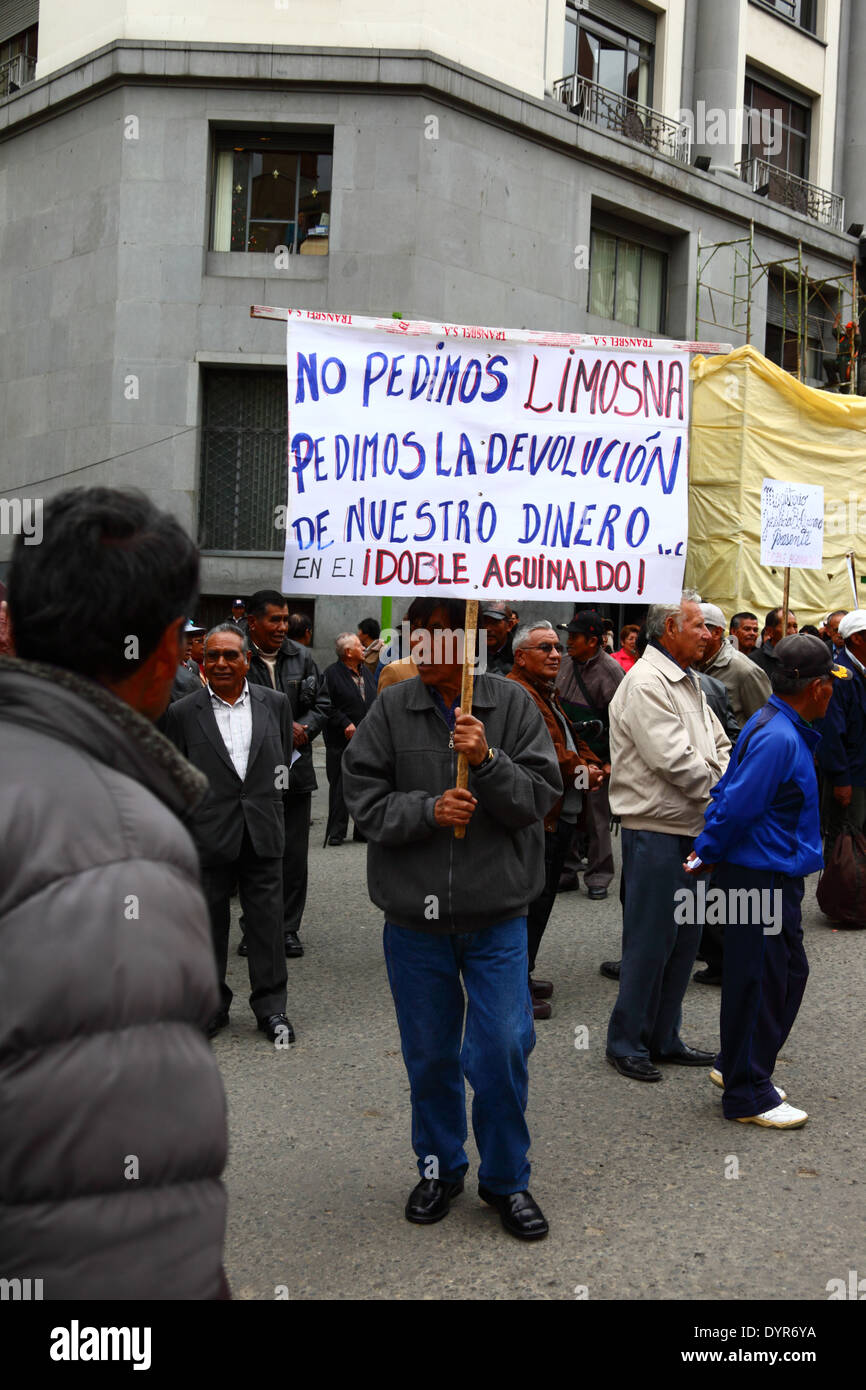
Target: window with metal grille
point(244, 461)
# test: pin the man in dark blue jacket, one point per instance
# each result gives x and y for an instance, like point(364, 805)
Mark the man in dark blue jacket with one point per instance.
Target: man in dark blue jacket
point(842, 754)
point(762, 834)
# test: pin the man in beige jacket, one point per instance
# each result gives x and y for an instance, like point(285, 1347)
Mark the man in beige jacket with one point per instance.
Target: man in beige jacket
point(667, 751)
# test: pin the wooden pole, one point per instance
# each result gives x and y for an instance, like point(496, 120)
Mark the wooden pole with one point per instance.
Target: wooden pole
point(785, 601)
point(466, 689)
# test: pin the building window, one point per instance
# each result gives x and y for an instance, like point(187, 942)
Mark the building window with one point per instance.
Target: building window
point(775, 128)
point(799, 12)
point(244, 470)
point(618, 59)
point(626, 281)
point(272, 190)
point(18, 60)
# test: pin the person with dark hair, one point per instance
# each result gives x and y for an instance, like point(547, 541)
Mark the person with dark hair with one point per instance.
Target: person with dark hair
point(371, 644)
point(587, 683)
point(765, 655)
point(108, 980)
point(458, 908)
point(300, 629)
point(761, 836)
point(351, 691)
point(240, 737)
point(497, 621)
point(744, 632)
point(404, 668)
point(282, 664)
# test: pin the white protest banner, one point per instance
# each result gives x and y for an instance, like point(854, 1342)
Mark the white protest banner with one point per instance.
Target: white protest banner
point(792, 524)
point(484, 461)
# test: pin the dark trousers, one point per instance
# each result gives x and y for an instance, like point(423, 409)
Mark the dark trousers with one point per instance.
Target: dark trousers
point(657, 952)
point(595, 825)
point(338, 812)
point(260, 888)
point(297, 812)
point(764, 978)
point(556, 846)
point(712, 947)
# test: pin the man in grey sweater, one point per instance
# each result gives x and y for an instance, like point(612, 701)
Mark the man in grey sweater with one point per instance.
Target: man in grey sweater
point(457, 907)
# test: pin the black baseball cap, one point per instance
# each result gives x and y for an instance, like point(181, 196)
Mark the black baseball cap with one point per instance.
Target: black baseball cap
point(587, 621)
point(806, 658)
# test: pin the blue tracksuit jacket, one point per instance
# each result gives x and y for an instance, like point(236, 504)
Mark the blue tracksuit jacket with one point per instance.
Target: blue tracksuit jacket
point(763, 812)
point(842, 755)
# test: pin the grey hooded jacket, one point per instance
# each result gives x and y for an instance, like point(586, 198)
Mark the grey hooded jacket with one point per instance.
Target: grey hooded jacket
point(112, 1110)
point(398, 763)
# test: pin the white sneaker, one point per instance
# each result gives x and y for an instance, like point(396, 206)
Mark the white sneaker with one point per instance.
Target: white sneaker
point(780, 1117)
point(718, 1080)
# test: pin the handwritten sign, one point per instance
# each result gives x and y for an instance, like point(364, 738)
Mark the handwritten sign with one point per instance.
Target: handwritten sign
point(463, 461)
point(792, 524)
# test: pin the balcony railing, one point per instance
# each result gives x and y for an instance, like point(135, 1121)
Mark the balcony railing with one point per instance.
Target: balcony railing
point(613, 111)
point(15, 72)
point(792, 192)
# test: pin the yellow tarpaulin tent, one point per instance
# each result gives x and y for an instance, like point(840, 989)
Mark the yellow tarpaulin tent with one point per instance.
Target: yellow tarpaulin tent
point(751, 420)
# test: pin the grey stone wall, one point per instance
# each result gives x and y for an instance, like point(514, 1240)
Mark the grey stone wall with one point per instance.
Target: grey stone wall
point(451, 198)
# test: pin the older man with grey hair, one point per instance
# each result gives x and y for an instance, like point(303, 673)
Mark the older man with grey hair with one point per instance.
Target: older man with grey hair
point(747, 685)
point(668, 750)
point(351, 688)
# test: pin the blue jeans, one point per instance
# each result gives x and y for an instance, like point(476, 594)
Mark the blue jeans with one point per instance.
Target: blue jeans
point(424, 973)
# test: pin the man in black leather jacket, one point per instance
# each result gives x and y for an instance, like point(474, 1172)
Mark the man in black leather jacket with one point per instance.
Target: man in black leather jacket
point(285, 665)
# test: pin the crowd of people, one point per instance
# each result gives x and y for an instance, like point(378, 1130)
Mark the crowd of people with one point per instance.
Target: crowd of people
point(122, 721)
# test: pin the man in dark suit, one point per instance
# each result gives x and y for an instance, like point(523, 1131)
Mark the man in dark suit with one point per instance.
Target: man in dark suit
point(351, 689)
point(240, 736)
point(281, 664)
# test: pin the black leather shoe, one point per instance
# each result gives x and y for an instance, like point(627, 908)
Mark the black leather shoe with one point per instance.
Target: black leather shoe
point(689, 1057)
point(596, 894)
point(219, 1020)
point(242, 947)
point(430, 1199)
point(336, 839)
point(277, 1028)
point(638, 1068)
point(567, 883)
point(707, 977)
point(293, 944)
point(519, 1214)
point(610, 969)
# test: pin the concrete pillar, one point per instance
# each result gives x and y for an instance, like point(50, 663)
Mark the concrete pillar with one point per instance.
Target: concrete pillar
point(717, 85)
point(854, 136)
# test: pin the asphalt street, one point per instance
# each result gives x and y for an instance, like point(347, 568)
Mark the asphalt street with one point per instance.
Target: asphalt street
point(649, 1192)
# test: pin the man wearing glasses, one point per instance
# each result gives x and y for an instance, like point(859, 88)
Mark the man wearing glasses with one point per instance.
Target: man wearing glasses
point(537, 657)
point(457, 908)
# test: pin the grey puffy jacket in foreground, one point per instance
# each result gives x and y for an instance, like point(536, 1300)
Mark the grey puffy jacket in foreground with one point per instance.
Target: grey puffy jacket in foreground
point(112, 1111)
point(396, 765)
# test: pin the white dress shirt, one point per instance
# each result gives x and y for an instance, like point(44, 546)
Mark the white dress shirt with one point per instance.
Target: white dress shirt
point(235, 723)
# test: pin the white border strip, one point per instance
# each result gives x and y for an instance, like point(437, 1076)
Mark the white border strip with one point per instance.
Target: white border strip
point(461, 332)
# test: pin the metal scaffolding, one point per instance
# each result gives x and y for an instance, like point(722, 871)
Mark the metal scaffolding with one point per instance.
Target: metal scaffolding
point(808, 306)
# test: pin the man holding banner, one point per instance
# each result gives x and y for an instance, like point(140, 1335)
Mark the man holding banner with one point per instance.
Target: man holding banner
point(457, 908)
